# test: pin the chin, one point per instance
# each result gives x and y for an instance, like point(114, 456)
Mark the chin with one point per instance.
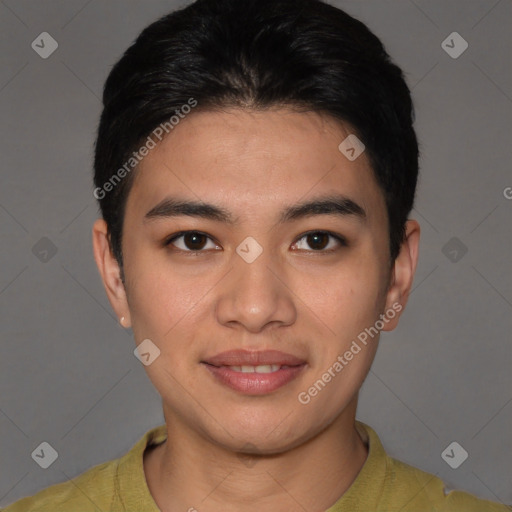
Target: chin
point(262, 434)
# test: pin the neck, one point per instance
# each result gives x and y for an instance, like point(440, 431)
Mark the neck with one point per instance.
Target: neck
point(189, 473)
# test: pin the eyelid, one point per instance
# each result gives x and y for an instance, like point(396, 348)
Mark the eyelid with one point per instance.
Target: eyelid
point(339, 238)
point(171, 238)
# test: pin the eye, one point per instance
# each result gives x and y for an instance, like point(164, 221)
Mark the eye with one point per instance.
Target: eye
point(319, 241)
point(196, 241)
point(190, 241)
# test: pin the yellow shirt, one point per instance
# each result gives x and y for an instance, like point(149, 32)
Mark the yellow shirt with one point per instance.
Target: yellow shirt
point(384, 484)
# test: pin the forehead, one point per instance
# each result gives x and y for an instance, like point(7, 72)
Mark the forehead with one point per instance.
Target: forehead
point(253, 160)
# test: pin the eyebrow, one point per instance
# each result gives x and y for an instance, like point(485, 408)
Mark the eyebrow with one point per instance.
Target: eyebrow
point(338, 205)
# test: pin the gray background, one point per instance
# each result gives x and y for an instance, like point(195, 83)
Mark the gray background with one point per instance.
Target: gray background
point(68, 375)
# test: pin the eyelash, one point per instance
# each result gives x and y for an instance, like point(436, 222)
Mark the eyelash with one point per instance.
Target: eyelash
point(341, 240)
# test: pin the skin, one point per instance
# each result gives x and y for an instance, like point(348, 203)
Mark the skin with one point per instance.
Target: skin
point(309, 303)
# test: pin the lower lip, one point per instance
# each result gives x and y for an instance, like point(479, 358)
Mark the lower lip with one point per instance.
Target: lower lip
point(254, 383)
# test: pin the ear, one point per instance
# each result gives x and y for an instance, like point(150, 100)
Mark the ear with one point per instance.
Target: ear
point(110, 272)
point(403, 274)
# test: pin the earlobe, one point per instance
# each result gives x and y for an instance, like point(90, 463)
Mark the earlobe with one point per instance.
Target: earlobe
point(110, 271)
point(403, 273)
point(124, 322)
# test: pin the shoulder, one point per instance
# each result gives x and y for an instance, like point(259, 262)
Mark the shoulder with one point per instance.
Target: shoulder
point(425, 491)
point(107, 486)
point(90, 491)
point(393, 485)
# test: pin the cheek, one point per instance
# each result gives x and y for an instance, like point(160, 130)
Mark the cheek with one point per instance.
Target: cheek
point(347, 299)
point(158, 297)
point(156, 300)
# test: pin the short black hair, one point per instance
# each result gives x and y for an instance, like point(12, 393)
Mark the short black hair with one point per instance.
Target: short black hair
point(257, 54)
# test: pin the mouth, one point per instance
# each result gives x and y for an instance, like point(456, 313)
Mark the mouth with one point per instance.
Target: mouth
point(262, 368)
point(254, 373)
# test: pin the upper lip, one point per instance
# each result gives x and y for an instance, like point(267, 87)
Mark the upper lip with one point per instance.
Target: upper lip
point(254, 358)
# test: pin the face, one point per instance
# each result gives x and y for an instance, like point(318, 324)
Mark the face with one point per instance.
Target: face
point(289, 288)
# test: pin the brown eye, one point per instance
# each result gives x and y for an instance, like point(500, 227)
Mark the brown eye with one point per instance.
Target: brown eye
point(194, 241)
point(319, 241)
point(190, 241)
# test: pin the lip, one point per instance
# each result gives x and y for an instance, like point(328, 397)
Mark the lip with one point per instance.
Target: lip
point(253, 358)
point(253, 383)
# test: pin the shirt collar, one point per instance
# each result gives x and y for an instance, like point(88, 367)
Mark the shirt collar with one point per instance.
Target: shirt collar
point(369, 482)
point(131, 486)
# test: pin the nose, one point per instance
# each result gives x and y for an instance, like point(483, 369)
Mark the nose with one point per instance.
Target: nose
point(256, 294)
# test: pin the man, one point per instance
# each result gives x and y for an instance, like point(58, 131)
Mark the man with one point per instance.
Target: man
point(255, 166)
